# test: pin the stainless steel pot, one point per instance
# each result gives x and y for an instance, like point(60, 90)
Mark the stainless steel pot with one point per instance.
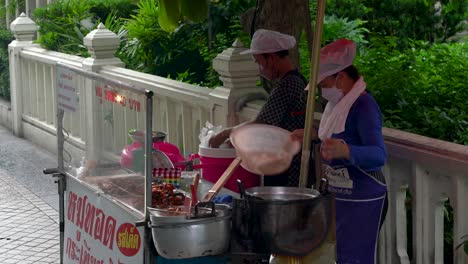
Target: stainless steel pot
point(206, 232)
point(281, 220)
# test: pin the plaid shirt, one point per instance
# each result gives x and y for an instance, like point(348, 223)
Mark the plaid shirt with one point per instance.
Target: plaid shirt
point(285, 108)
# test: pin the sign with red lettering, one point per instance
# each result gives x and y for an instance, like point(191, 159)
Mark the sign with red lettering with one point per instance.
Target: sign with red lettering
point(97, 231)
point(107, 93)
point(67, 96)
point(128, 239)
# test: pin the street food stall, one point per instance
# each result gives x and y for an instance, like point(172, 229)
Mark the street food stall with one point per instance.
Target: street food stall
point(122, 199)
point(107, 189)
point(130, 202)
point(101, 203)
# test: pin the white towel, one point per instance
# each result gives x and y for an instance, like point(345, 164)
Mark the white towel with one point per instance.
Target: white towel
point(334, 116)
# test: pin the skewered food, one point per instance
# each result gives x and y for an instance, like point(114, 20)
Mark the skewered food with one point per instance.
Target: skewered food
point(163, 196)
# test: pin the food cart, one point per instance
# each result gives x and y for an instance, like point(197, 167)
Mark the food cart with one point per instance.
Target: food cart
point(103, 205)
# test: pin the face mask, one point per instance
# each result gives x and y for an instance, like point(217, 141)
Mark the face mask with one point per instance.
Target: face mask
point(267, 71)
point(333, 94)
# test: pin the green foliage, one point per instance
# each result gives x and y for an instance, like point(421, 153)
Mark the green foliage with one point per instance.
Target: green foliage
point(421, 89)
point(3, 13)
point(63, 24)
point(5, 38)
point(14, 6)
point(173, 12)
point(151, 49)
point(168, 14)
point(194, 10)
point(118, 8)
point(448, 232)
point(224, 25)
point(405, 19)
point(304, 55)
point(335, 28)
point(220, 42)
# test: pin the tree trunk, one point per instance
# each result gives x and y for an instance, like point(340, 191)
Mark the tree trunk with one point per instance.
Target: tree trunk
point(290, 17)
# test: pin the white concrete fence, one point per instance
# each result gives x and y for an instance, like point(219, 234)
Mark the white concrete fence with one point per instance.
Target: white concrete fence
point(432, 170)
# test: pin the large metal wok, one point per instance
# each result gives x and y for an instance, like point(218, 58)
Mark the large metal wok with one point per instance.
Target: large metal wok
point(177, 236)
point(187, 233)
point(281, 220)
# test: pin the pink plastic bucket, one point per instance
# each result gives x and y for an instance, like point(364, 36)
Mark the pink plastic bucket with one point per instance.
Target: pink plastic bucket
point(213, 163)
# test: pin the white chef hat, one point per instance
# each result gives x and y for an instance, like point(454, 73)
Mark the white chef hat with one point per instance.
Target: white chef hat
point(335, 57)
point(268, 41)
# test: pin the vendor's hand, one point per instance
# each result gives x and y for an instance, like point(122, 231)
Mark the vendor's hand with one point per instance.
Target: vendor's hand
point(333, 148)
point(227, 144)
point(298, 134)
point(218, 139)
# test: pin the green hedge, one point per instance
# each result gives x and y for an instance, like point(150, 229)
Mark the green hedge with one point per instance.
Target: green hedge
point(422, 89)
point(63, 24)
point(5, 38)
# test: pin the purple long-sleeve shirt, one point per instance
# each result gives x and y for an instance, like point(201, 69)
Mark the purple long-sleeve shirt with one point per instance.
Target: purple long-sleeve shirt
point(363, 134)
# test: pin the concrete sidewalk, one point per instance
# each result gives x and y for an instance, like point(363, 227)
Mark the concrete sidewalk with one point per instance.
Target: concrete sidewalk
point(24, 162)
point(29, 230)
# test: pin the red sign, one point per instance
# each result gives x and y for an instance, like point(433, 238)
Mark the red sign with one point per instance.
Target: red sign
point(128, 239)
point(112, 96)
point(97, 231)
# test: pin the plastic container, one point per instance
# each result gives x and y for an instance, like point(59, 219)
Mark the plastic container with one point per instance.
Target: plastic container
point(264, 149)
point(171, 151)
point(139, 135)
point(138, 138)
point(213, 163)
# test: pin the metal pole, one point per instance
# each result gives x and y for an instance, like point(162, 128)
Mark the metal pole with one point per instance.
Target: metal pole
point(61, 180)
point(61, 190)
point(309, 123)
point(60, 139)
point(148, 169)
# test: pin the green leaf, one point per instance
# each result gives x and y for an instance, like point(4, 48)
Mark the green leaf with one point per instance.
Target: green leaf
point(169, 14)
point(195, 10)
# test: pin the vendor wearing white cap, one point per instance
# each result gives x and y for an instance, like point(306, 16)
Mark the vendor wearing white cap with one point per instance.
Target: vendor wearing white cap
point(287, 102)
point(353, 151)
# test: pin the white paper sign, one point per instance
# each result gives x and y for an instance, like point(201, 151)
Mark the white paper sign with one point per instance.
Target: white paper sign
point(67, 97)
point(97, 231)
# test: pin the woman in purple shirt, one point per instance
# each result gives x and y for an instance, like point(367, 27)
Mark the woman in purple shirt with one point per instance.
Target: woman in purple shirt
point(353, 154)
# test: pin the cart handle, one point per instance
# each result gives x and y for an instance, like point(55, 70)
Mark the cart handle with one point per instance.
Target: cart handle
point(51, 171)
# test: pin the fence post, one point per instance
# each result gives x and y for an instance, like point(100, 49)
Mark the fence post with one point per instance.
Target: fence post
point(239, 75)
point(102, 45)
point(24, 30)
point(460, 230)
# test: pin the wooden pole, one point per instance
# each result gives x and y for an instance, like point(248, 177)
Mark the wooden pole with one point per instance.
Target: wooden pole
point(310, 110)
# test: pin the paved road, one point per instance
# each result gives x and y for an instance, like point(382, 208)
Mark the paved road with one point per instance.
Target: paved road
point(29, 231)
